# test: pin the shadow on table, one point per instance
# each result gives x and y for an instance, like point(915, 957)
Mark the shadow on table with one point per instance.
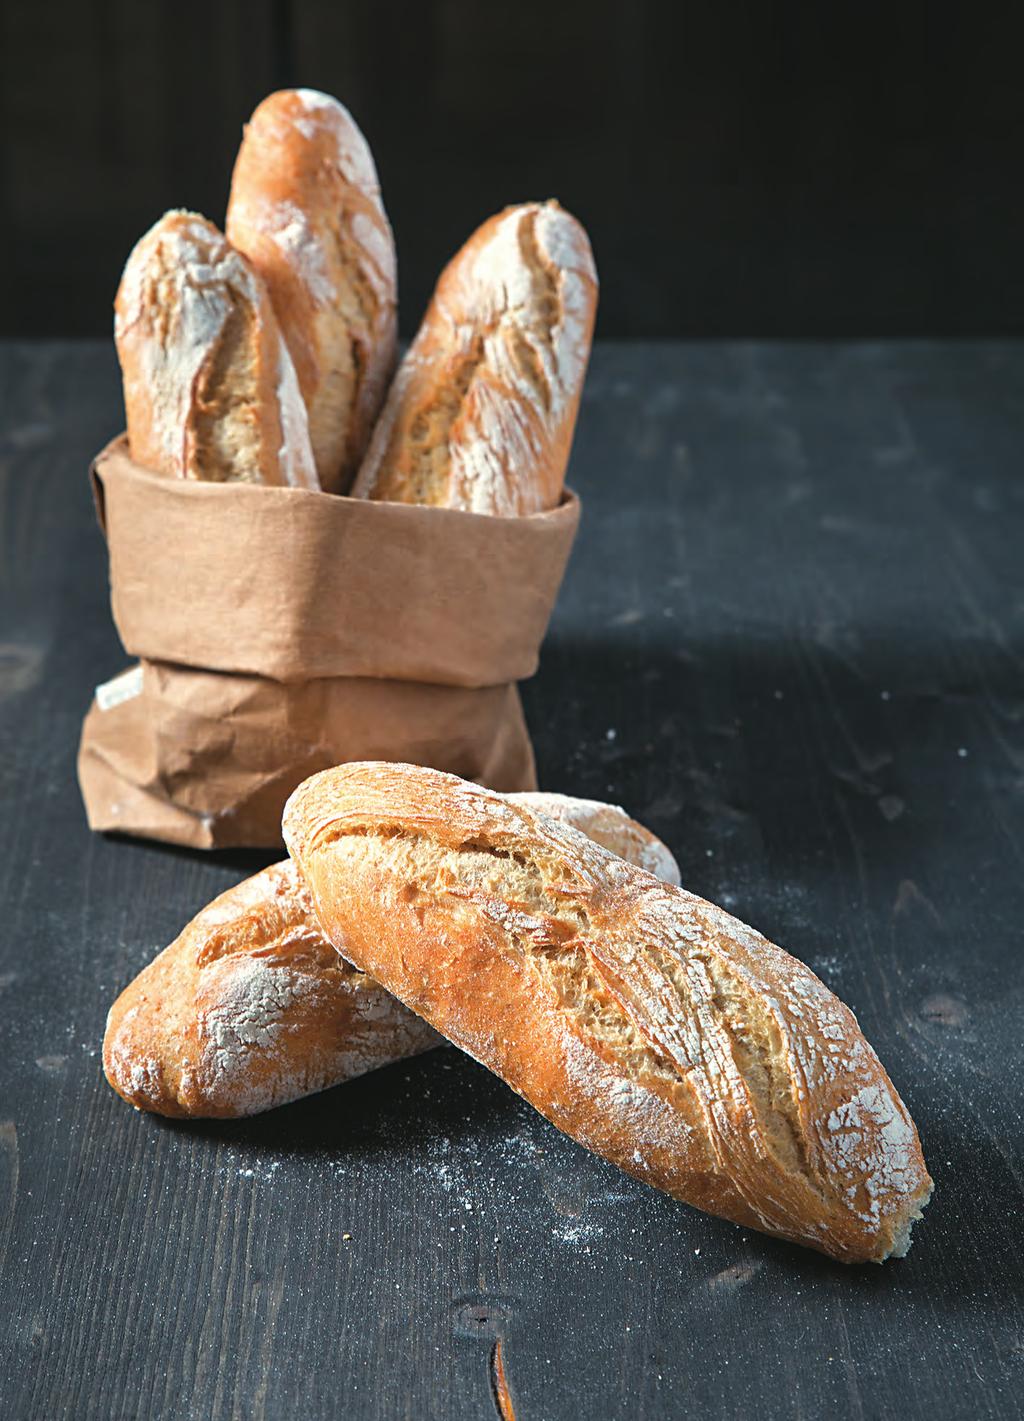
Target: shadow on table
point(965, 1248)
point(395, 1110)
point(244, 861)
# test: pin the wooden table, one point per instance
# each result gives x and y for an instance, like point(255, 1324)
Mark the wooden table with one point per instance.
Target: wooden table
point(791, 642)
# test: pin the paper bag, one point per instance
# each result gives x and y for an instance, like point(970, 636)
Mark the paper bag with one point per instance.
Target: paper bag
point(281, 631)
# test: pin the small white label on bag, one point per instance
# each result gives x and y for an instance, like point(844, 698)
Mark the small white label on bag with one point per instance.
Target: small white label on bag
point(122, 688)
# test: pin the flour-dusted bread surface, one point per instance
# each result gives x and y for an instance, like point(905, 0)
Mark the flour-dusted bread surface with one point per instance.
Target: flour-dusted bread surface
point(306, 210)
point(481, 413)
point(250, 1008)
point(651, 1026)
point(209, 387)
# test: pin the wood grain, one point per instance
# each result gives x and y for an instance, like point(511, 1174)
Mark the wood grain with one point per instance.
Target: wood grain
point(791, 641)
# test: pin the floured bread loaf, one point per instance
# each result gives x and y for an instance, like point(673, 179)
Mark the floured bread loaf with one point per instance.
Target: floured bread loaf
point(481, 413)
point(306, 211)
point(209, 387)
point(648, 1024)
point(249, 1008)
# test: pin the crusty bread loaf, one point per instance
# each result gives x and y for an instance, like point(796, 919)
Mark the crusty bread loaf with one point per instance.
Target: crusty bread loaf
point(651, 1026)
point(306, 211)
point(480, 415)
point(209, 387)
point(251, 1006)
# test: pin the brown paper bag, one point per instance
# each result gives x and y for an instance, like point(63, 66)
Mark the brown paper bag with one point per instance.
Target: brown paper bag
point(281, 631)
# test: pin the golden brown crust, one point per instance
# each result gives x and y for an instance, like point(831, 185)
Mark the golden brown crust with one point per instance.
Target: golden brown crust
point(209, 387)
point(251, 1006)
point(649, 1025)
point(306, 210)
point(481, 413)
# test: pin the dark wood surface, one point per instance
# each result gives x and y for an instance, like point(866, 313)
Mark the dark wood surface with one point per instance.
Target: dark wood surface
point(791, 641)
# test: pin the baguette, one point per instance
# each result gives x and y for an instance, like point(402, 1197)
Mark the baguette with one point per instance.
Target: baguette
point(251, 1007)
point(651, 1026)
point(481, 413)
point(209, 387)
point(306, 210)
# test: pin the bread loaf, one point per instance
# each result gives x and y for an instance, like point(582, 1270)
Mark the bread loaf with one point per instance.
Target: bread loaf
point(306, 210)
point(251, 1006)
point(209, 387)
point(480, 415)
point(651, 1026)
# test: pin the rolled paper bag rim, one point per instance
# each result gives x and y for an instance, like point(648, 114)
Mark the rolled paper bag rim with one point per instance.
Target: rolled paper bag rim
point(295, 584)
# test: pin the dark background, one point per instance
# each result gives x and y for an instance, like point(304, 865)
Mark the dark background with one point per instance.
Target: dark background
point(744, 169)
